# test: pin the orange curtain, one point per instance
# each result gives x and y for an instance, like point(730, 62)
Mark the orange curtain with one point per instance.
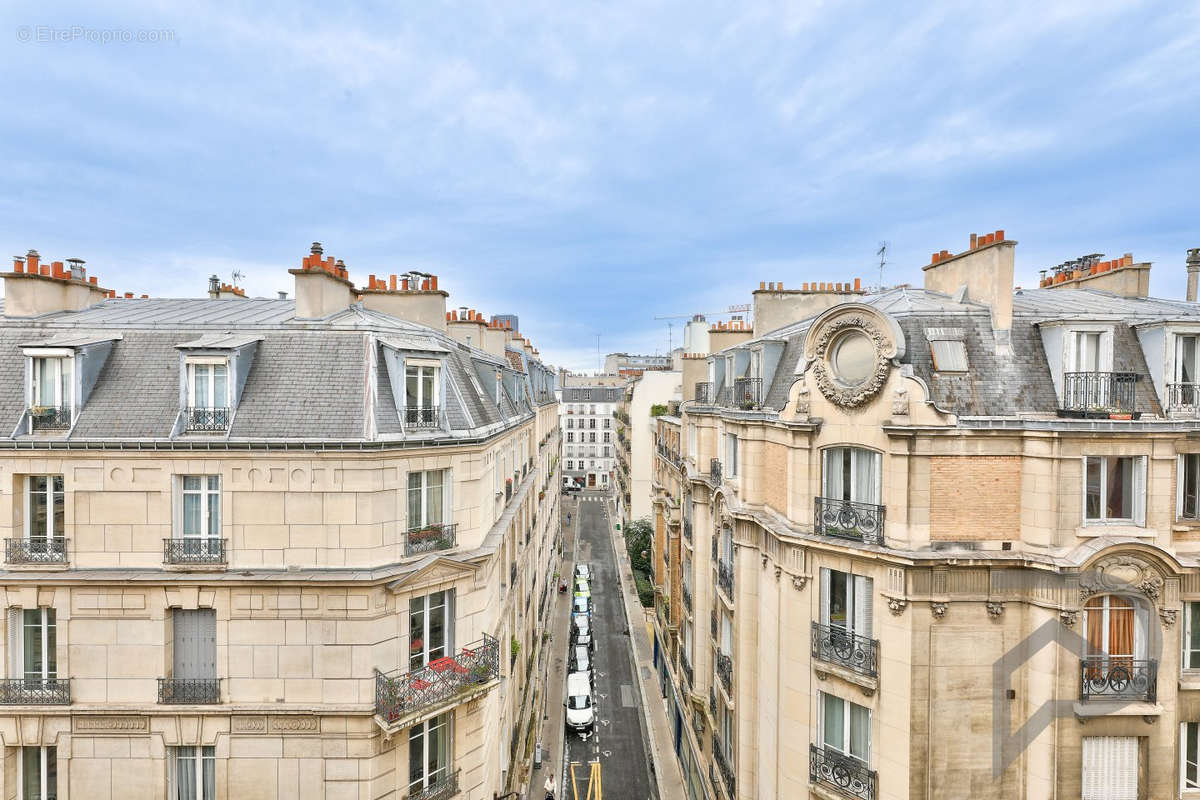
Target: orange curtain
point(1120, 627)
point(1094, 617)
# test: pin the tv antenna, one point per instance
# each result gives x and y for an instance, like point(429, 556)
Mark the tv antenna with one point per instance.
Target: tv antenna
point(237, 277)
point(882, 253)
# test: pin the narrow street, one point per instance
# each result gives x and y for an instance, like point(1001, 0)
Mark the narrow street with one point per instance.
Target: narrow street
point(619, 742)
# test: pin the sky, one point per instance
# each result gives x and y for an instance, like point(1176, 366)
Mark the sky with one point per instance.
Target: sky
point(592, 166)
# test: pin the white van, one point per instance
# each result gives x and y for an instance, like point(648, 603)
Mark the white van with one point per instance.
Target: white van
point(581, 714)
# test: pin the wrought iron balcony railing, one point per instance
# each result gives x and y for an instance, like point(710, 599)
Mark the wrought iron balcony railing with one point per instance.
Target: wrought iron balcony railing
point(430, 538)
point(1118, 678)
point(725, 672)
point(685, 667)
point(50, 418)
point(712, 624)
point(725, 577)
point(846, 774)
point(194, 550)
point(1099, 393)
point(421, 417)
point(714, 471)
point(35, 692)
point(442, 788)
point(197, 691)
point(36, 550)
point(686, 591)
point(836, 645)
point(712, 701)
point(687, 530)
point(847, 519)
point(747, 393)
point(1183, 397)
point(704, 392)
point(723, 766)
point(398, 694)
point(206, 419)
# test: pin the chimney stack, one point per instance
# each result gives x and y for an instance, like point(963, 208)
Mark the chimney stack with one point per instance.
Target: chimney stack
point(323, 285)
point(985, 269)
point(214, 287)
point(34, 288)
point(418, 298)
point(1193, 273)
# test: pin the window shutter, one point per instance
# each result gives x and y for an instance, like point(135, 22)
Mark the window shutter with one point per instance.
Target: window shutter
point(449, 623)
point(864, 599)
point(1139, 491)
point(824, 595)
point(195, 643)
point(16, 667)
point(1110, 768)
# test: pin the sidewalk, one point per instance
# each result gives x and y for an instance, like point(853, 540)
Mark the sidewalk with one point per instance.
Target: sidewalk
point(664, 765)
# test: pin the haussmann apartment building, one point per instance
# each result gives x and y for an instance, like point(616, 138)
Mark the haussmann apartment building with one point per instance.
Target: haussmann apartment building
point(938, 543)
point(269, 548)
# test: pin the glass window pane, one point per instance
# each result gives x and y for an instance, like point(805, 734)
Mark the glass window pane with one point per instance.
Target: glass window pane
point(853, 358)
point(433, 499)
point(412, 387)
point(416, 757)
point(38, 511)
point(834, 733)
point(191, 514)
point(200, 380)
point(214, 514)
point(839, 596)
point(437, 631)
point(1092, 488)
point(220, 386)
point(860, 731)
point(31, 772)
point(60, 509)
point(32, 644)
point(416, 632)
point(1191, 467)
point(185, 773)
point(1193, 636)
point(66, 381)
point(1119, 500)
point(427, 386)
point(51, 655)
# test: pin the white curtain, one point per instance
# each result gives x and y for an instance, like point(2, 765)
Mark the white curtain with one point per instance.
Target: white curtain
point(832, 473)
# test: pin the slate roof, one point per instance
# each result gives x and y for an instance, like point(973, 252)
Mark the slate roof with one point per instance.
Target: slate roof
point(1016, 383)
point(307, 381)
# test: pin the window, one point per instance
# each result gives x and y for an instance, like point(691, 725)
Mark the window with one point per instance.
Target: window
point(692, 439)
point(195, 772)
point(570, 465)
point(845, 727)
point(846, 601)
point(1115, 627)
point(1187, 501)
point(426, 498)
point(1191, 635)
point(592, 422)
point(608, 452)
point(1189, 755)
point(592, 436)
point(607, 423)
point(606, 436)
point(1115, 489)
point(852, 474)
point(1087, 351)
point(570, 436)
point(1110, 768)
point(38, 777)
point(949, 355)
point(208, 385)
point(201, 506)
point(45, 507)
point(53, 380)
point(430, 628)
point(429, 760)
point(731, 454)
point(32, 644)
point(570, 423)
point(194, 644)
point(604, 479)
point(420, 385)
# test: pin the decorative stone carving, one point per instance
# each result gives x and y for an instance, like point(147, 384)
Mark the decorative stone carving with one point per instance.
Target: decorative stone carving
point(1168, 616)
point(1121, 573)
point(764, 562)
point(938, 609)
point(900, 402)
point(799, 582)
point(851, 396)
point(803, 401)
point(896, 605)
point(122, 724)
point(778, 571)
point(1068, 617)
point(995, 608)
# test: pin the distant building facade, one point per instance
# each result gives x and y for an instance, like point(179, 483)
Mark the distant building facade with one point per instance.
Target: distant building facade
point(633, 365)
point(589, 433)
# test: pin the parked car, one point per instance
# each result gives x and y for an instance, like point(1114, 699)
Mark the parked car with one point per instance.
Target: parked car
point(581, 713)
point(582, 589)
point(580, 624)
point(584, 639)
point(581, 605)
point(583, 571)
point(579, 660)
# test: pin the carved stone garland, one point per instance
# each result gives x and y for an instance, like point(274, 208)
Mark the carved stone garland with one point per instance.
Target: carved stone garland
point(850, 397)
point(1124, 573)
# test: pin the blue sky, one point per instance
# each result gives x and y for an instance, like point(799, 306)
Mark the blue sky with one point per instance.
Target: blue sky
point(591, 165)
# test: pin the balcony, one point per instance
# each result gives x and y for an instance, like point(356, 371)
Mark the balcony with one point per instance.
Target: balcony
point(1118, 678)
point(1183, 398)
point(714, 471)
point(194, 550)
point(712, 701)
point(36, 550)
point(50, 418)
point(725, 578)
point(189, 691)
point(726, 771)
point(845, 774)
point(686, 591)
point(685, 667)
point(725, 672)
point(836, 645)
point(512, 574)
point(704, 392)
point(712, 624)
point(398, 695)
point(441, 788)
point(846, 519)
point(747, 393)
point(206, 420)
point(1099, 395)
point(430, 538)
point(35, 692)
point(421, 417)
point(687, 531)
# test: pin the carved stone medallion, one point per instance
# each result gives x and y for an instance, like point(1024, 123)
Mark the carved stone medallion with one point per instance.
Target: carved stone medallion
point(836, 391)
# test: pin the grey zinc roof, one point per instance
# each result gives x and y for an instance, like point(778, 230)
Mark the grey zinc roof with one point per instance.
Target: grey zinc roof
point(12, 378)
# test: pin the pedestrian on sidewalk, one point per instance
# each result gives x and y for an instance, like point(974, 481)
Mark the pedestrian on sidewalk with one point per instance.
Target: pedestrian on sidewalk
point(549, 786)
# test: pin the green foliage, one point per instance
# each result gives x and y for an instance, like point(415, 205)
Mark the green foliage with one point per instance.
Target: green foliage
point(639, 542)
point(658, 409)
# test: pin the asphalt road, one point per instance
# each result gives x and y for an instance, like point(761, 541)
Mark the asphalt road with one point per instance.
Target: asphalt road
point(618, 741)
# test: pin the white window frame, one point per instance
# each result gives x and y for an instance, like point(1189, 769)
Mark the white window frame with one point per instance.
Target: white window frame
point(860, 458)
point(1190, 645)
point(17, 626)
point(60, 358)
point(44, 761)
point(424, 494)
point(846, 732)
point(1185, 760)
point(199, 754)
point(446, 609)
point(1181, 474)
point(51, 494)
point(420, 365)
point(860, 602)
point(210, 363)
point(1139, 482)
point(1104, 353)
point(206, 492)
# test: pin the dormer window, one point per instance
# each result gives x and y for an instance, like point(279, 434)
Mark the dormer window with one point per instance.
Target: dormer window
point(421, 394)
point(1184, 391)
point(207, 394)
point(50, 401)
